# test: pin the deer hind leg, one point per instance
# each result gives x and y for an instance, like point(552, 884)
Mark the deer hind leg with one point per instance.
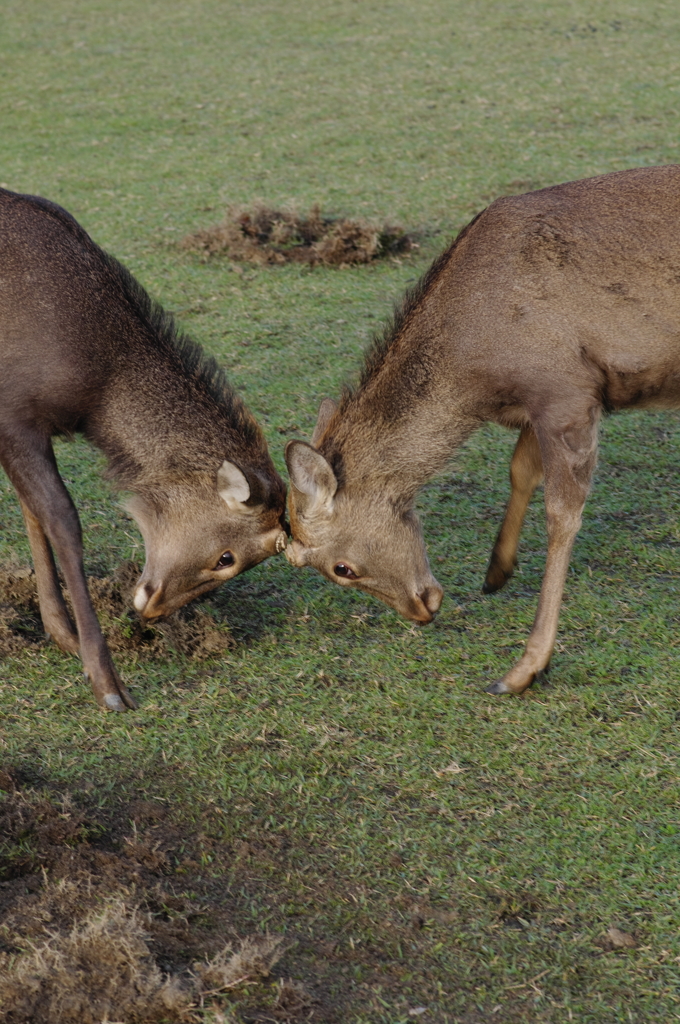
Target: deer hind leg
point(34, 473)
point(526, 473)
point(55, 617)
point(569, 456)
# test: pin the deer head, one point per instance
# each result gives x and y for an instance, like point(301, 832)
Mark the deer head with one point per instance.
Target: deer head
point(356, 535)
point(201, 533)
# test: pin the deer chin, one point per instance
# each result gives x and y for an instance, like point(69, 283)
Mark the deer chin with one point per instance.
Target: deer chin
point(419, 612)
point(414, 613)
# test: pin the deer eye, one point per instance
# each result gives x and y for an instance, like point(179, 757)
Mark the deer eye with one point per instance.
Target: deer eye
point(344, 570)
point(224, 561)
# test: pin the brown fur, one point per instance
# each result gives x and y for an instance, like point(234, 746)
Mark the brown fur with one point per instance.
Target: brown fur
point(549, 308)
point(84, 349)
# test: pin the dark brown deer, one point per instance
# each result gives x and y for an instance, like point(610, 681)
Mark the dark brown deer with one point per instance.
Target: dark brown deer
point(549, 308)
point(83, 349)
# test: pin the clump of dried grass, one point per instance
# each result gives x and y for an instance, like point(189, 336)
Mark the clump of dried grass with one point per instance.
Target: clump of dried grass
point(267, 236)
point(83, 929)
point(231, 968)
point(292, 1000)
point(103, 969)
point(191, 631)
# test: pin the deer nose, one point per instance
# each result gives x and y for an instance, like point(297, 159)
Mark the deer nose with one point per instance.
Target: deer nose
point(147, 599)
point(432, 598)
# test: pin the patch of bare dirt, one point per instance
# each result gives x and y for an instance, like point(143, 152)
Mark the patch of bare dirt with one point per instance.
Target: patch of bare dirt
point(192, 631)
point(90, 934)
point(267, 236)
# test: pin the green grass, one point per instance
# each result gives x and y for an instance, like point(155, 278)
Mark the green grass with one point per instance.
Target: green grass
point(423, 843)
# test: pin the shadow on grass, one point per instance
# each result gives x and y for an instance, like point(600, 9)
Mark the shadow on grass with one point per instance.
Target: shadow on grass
point(98, 922)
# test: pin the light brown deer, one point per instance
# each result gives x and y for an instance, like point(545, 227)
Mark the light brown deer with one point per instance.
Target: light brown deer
point(548, 308)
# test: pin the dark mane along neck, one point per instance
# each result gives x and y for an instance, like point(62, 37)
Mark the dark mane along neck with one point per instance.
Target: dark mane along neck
point(401, 423)
point(170, 411)
point(168, 339)
point(382, 345)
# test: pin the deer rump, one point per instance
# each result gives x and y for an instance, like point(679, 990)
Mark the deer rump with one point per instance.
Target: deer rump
point(548, 308)
point(84, 349)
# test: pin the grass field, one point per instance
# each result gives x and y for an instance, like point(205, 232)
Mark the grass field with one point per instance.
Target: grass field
point(339, 776)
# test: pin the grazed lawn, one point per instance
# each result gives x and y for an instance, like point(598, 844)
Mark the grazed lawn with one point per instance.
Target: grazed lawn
point(341, 776)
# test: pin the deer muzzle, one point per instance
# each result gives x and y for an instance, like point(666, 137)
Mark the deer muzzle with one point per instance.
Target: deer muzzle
point(427, 603)
point(149, 601)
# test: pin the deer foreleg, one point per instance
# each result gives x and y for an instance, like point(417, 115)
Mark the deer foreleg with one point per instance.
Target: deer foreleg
point(32, 469)
point(569, 457)
point(526, 473)
point(53, 612)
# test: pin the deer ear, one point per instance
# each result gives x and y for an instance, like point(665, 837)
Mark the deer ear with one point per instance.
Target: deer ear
point(232, 486)
point(327, 409)
point(311, 475)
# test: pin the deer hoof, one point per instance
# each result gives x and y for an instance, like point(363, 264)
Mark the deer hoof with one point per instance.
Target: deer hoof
point(113, 702)
point(491, 585)
point(117, 701)
point(496, 577)
point(498, 687)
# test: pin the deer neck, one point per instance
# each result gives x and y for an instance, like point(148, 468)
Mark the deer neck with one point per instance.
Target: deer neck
point(167, 428)
point(391, 439)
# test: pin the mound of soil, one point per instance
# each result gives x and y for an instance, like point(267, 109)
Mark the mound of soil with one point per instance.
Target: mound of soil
point(264, 235)
point(19, 612)
point(92, 929)
point(192, 631)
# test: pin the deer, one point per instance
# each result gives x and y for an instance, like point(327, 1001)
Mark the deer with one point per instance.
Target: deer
point(84, 350)
point(548, 310)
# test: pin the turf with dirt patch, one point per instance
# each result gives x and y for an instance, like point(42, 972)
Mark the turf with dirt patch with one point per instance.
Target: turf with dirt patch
point(191, 631)
point(266, 236)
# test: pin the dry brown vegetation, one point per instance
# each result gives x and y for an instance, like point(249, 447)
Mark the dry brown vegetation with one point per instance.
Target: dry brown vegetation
point(191, 631)
point(87, 933)
point(263, 235)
